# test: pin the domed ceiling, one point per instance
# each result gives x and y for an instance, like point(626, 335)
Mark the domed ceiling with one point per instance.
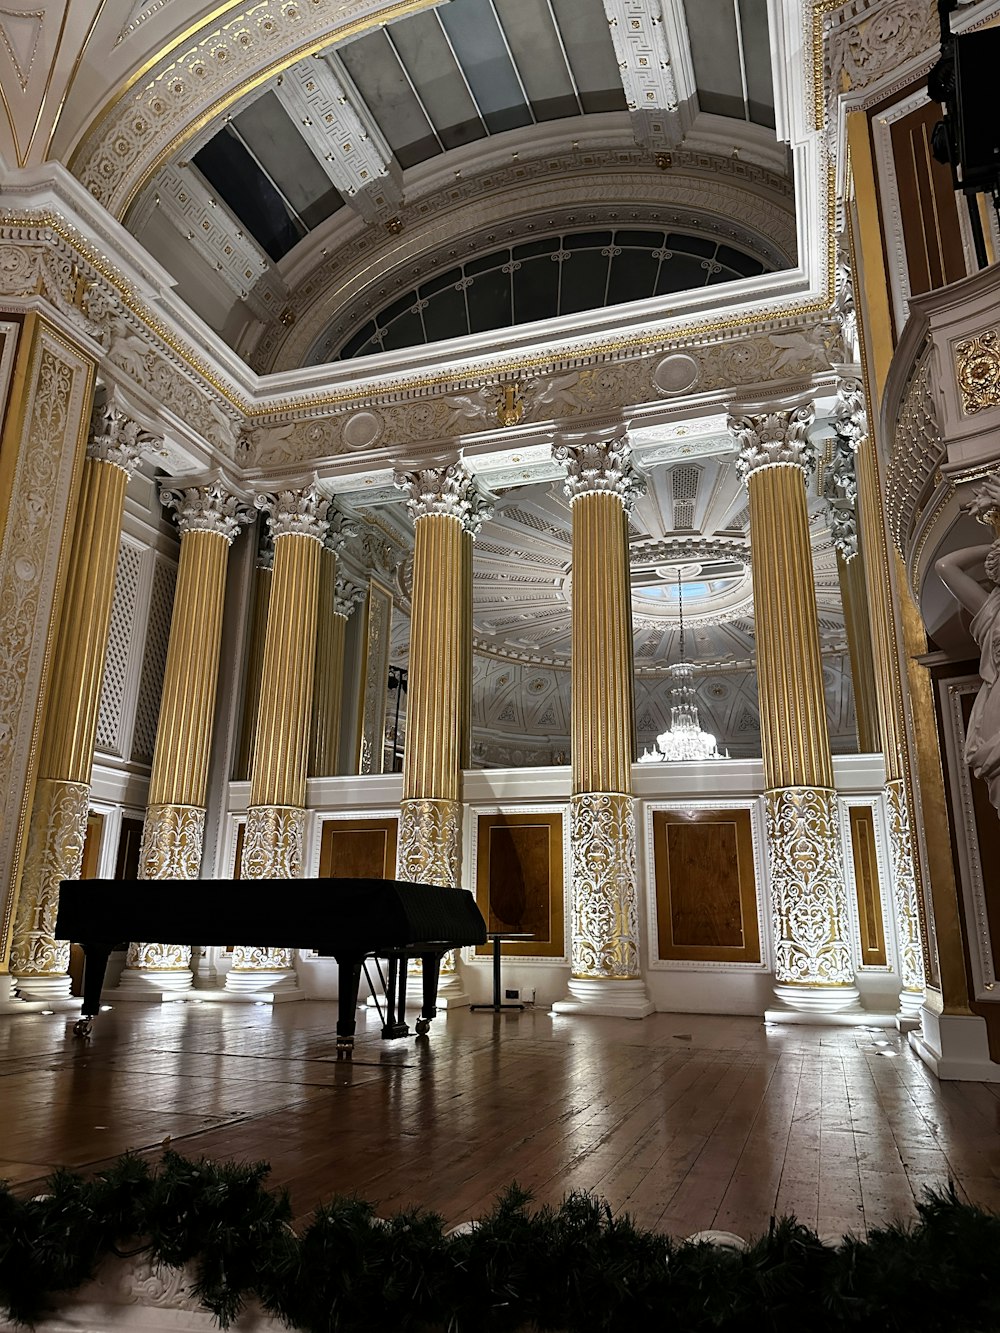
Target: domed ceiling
point(371, 197)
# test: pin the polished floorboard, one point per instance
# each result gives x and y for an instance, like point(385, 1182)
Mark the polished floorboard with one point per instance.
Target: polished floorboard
point(687, 1122)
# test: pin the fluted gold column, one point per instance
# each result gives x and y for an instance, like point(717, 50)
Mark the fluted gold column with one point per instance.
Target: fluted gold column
point(854, 597)
point(210, 513)
point(813, 967)
point(256, 638)
point(606, 970)
point(444, 503)
point(851, 421)
point(276, 817)
point(331, 627)
point(58, 823)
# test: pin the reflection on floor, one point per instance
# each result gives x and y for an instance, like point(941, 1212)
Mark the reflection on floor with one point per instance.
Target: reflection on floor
point(687, 1122)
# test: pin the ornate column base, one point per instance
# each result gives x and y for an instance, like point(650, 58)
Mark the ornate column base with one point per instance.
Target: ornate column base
point(267, 984)
point(904, 892)
point(910, 1004)
point(813, 971)
point(172, 838)
point(836, 1006)
point(955, 1046)
point(430, 841)
point(151, 983)
point(273, 843)
point(615, 999)
point(56, 834)
point(45, 987)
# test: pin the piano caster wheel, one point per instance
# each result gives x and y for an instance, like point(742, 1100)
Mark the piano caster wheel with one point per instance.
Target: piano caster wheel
point(345, 1049)
point(83, 1027)
point(423, 1027)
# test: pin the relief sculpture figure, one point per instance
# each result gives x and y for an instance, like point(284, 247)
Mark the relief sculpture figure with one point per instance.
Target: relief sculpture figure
point(982, 739)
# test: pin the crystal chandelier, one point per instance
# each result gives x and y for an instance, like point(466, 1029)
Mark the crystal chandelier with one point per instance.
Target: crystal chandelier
point(684, 738)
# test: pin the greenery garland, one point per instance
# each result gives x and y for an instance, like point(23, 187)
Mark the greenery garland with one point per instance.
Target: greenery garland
point(575, 1268)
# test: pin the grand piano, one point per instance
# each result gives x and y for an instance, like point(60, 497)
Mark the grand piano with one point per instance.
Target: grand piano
point(349, 919)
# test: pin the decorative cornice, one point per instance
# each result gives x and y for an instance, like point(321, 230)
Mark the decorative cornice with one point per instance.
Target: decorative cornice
point(212, 505)
point(296, 513)
point(450, 490)
point(600, 465)
point(774, 439)
point(117, 439)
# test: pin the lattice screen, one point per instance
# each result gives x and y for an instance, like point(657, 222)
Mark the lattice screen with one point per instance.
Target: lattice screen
point(111, 720)
point(151, 682)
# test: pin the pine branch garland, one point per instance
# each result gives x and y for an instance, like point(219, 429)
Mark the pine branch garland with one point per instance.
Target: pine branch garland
point(574, 1269)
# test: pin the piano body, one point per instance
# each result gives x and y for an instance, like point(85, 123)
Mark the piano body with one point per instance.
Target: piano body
point(349, 919)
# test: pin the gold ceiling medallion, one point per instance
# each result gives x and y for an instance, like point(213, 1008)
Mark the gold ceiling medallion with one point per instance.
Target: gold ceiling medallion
point(977, 368)
point(510, 403)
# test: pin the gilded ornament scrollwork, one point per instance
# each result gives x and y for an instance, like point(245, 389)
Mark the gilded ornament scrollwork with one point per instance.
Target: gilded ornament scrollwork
point(159, 957)
point(273, 841)
point(56, 836)
point(38, 492)
point(773, 439)
point(904, 886)
point(430, 842)
point(172, 842)
point(808, 888)
point(977, 369)
point(605, 909)
point(252, 958)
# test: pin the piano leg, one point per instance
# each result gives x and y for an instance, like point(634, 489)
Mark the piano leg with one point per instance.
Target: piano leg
point(347, 1022)
point(95, 958)
point(430, 966)
point(395, 1025)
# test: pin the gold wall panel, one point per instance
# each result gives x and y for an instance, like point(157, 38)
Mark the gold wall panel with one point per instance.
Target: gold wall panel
point(519, 881)
point(92, 845)
point(129, 844)
point(358, 849)
point(706, 889)
point(867, 886)
point(928, 209)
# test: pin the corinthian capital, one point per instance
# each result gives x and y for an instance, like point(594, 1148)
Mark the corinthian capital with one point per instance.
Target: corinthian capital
point(774, 439)
point(116, 439)
point(850, 420)
point(450, 490)
point(211, 504)
point(600, 465)
point(341, 529)
point(296, 513)
point(346, 597)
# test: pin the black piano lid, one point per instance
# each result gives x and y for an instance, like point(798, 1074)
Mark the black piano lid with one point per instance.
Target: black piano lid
point(330, 915)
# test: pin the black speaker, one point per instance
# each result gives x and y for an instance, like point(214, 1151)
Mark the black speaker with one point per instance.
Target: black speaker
point(977, 137)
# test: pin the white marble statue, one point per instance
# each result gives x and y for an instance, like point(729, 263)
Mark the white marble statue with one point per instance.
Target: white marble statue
point(982, 738)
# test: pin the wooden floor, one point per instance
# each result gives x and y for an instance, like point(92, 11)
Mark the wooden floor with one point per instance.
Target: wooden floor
point(686, 1122)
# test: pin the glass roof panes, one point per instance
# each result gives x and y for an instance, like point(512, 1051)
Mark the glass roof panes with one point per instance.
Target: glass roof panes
point(231, 169)
point(274, 140)
point(479, 44)
point(541, 61)
point(545, 277)
point(373, 65)
point(730, 50)
point(591, 54)
point(757, 60)
point(428, 59)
